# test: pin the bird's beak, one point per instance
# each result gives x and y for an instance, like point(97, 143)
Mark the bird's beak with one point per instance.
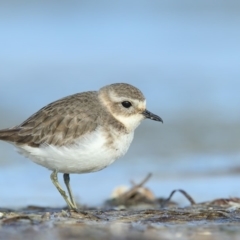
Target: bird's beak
point(151, 116)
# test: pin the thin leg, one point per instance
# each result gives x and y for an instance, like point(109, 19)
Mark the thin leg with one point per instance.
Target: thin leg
point(54, 179)
point(66, 179)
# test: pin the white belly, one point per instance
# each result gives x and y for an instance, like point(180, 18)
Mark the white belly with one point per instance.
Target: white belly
point(89, 154)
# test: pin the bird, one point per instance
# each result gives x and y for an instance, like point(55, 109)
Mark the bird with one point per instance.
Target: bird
point(81, 133)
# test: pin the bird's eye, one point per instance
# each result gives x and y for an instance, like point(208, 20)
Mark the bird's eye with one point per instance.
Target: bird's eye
point(126, 104)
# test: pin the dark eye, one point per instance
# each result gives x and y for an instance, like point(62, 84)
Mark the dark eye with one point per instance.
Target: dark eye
point(126, 104)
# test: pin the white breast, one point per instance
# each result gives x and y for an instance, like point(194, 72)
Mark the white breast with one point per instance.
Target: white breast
point(90, 153)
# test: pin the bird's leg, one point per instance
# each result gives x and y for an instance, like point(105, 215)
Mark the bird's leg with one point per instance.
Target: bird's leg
point(66, 179)
point(70, 202)
point(54, 179)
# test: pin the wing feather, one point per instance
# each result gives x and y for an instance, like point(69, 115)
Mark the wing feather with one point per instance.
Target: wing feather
point(58, 123)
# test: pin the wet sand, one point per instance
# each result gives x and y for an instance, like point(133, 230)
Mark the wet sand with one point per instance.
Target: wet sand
point(196, 222)
point(134, 214)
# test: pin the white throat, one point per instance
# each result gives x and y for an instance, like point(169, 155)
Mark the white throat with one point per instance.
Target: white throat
point(130, 122)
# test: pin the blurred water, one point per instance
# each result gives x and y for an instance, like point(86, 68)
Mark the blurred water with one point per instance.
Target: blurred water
point(184, 56)
point(29, 184)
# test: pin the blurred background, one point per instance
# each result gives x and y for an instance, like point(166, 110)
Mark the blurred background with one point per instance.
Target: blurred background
point(183, 55)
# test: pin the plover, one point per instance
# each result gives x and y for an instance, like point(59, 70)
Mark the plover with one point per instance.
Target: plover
point(81, 133)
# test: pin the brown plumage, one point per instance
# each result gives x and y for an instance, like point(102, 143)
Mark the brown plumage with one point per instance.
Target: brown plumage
point(61, 122)
point(58, 123)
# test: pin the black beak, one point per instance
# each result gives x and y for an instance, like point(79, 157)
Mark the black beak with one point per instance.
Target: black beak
point(152, 116)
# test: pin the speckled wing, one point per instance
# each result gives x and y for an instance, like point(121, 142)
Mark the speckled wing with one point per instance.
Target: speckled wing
point(59, 123)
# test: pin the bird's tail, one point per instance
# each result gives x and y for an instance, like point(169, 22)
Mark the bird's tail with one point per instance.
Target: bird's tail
point(8, 134)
